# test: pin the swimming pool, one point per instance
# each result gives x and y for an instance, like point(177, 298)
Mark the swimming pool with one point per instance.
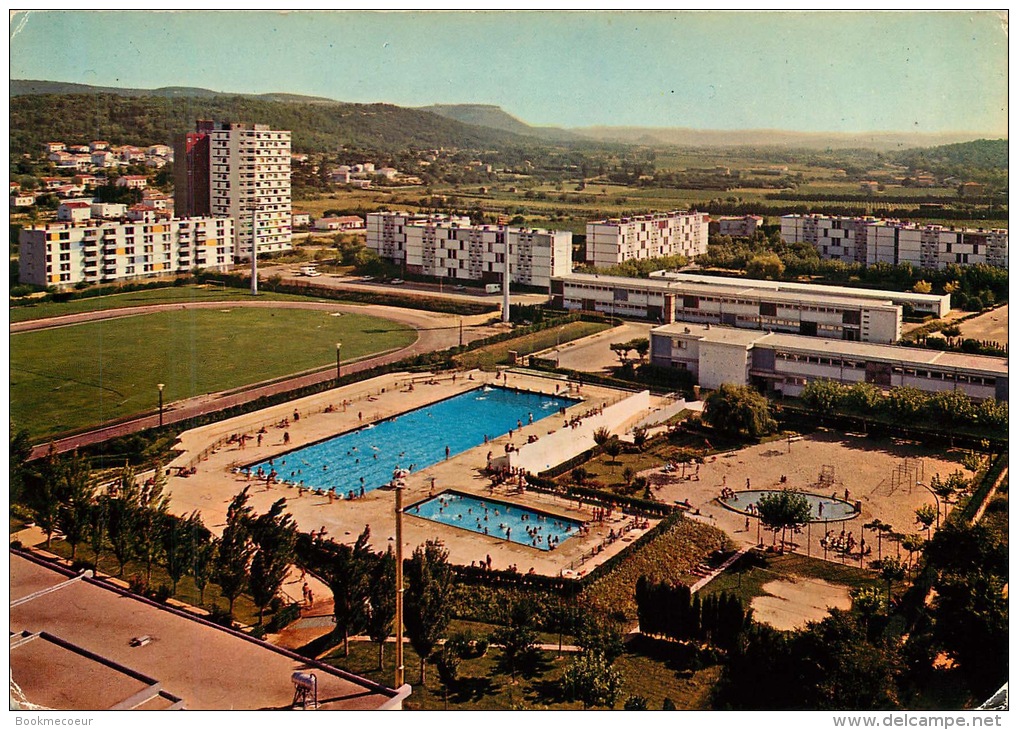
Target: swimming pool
point(822, 509)
point(363, 460)
point(521, 525)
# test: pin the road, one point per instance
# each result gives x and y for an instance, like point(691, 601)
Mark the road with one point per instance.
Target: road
point(434, 332)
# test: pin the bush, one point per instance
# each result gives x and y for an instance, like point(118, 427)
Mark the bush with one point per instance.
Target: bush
point(162, 593)
point(258, 632)
point(22, 290)
point(16, 545)
point(283, 617)
point(137, 584)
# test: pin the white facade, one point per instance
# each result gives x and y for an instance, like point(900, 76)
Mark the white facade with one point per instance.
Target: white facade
point(477, 253)
point(816, 314)
point(784, 364)
point(22, 200)
point(109, 210)
point(63, 254)
point(868, 240)
point(610, 242)
point(737, 226)
point(386, 234)
point(74, 212)
point(250, 178)
point(936, 304)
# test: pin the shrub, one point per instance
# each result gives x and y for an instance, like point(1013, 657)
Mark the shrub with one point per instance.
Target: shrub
point(221, 616)
point(162, 593)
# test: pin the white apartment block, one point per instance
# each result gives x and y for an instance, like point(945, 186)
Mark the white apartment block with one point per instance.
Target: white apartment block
point(783, 364)
point(478, 253)
point(250, 179)
point(815, 313)
point(63, 254)
point(386, 231)
point(867, 240)
point(610, 242)
point(743, 226)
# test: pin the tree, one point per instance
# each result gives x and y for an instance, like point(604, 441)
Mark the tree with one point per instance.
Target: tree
point(427, 600)
point(913, 544)
point(98, 518)
point(640, 437)
point(635, 702)
point(204, 556)
point(590, 679)
point(602, 634)
point(152, 509)
point(891, 569)
point(20, 450)
point(76, 489)
point(621, 349)
point(381, 606)
point(922, 287)
point(642, 347)
point(346, 569)
point(122, 517)
point(612, 447)
point(447, 662)
point(44, 496)
point(579, 475)
point(601, 436)
point(627, 475)
point(516, 636)
point(274, 535)
point(765, 266)
point(926, 515)
point(734, 409)
point(906, 404)
point(233, 558)
point(783, 510)
point(822, 396)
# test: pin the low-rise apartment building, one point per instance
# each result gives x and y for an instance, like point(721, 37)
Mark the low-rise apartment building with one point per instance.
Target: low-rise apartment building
point(612, 241)
point(63, 254)
point(340, 223)
point(742, 226)
point(783, 364)
point(478, 253)
point(867, 240)
point(816, 313)
point(386, 234)
point(936, 304)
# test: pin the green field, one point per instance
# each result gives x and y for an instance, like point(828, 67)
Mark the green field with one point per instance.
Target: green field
point(72, 377)
point(167, 295)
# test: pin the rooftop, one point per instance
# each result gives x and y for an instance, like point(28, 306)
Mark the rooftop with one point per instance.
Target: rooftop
point(99, 647)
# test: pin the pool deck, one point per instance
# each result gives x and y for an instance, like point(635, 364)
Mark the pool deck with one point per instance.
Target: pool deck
point(214, 483)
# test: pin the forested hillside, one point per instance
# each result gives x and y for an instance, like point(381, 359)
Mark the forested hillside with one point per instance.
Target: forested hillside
point(79, 118)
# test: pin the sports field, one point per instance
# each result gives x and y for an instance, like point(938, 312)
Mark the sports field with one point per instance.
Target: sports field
point(71, 377)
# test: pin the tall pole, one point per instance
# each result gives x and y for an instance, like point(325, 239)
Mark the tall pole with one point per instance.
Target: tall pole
point(461, 330)
point(505, 282)
point(160, 386)
point(254, 250)
point(399, 584)
point(339, 346)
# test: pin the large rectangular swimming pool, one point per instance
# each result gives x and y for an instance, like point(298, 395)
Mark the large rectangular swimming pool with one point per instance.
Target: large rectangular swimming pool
point(511, 522)
point(360, 461)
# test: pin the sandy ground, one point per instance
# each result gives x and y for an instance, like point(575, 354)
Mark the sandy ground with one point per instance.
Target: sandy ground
point(990, 326)
point(215, 483)
point(592, 354)
point(790, 604)
point(862, 466)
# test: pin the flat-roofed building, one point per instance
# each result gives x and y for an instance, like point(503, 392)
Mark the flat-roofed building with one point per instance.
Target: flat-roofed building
point(78, 643)
point(386, 231)
point(815, 314)
point(784, 364)
point(612, 241)
point(936, 304)
point(868, 240)
point(94, 251)
point(739, 226)
point(478, 253)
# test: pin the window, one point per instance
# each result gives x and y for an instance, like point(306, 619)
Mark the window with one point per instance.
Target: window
point(768, 309)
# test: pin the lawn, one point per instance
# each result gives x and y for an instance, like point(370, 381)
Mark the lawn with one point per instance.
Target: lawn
point(167, 295)
point(490, 355)
point(483, 685)
point(71, 377)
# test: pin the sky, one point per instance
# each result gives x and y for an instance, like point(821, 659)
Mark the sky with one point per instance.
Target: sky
point(813, 72)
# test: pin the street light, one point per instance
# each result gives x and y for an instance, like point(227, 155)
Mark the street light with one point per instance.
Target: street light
point(160, 386)
point(339, 346)
point(399, 484)
point(936, 499)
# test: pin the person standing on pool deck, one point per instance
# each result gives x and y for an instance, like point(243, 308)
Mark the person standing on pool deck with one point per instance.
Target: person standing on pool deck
point(447, 453)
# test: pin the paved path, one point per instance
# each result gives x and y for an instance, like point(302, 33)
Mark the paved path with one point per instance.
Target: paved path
point(435, 331)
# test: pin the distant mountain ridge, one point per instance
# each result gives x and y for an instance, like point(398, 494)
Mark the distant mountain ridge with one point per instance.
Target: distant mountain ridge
point(490, 115)
point(27, 87)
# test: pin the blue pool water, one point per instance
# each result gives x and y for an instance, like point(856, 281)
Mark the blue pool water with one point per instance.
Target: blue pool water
point(501, 519)
point(367, 457)
point(823, 509)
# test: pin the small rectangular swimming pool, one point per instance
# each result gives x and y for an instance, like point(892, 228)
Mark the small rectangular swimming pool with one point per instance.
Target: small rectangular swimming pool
point(521, 525)
point(360, 461)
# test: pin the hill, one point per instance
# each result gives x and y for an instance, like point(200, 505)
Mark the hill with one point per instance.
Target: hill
point(489, 115)
point(981, 153)
point(686, 137)
point(316, 126)
point(30, 87)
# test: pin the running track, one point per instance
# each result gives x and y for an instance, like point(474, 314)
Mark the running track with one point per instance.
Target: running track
point(434, 332)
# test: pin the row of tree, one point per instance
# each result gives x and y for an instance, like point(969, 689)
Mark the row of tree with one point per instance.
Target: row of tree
point(951, 408)
point(677, 613)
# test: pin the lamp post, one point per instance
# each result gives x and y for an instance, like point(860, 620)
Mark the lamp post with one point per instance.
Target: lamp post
point(339, 347)
point(936, 499)
point(160, 386)
point(399, 484)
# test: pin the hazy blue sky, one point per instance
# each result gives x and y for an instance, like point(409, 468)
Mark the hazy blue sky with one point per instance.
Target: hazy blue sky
point(866, 71)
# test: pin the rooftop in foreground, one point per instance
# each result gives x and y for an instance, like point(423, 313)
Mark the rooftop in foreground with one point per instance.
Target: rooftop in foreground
point(86, 645)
